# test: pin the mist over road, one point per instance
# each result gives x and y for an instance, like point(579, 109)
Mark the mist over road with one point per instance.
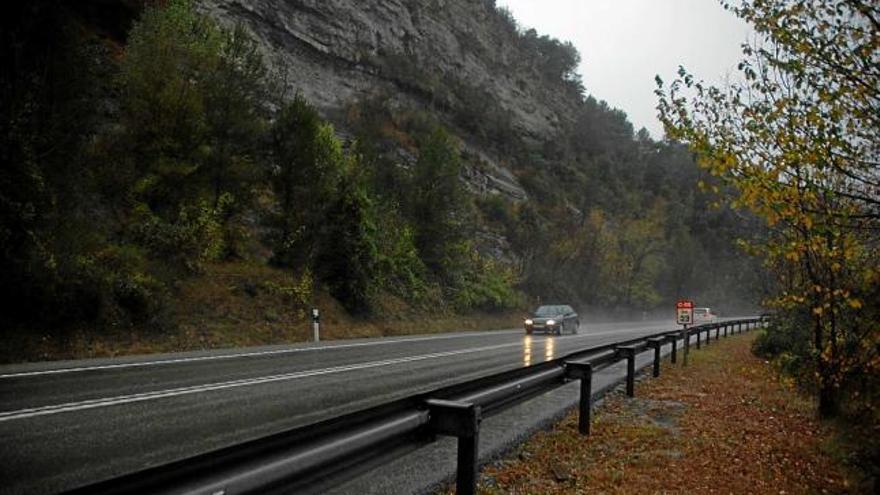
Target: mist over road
point(66, 424)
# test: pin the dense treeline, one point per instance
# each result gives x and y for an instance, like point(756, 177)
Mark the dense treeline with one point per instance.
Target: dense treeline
point(614, 220)
point(185, 163)
point(132, 168)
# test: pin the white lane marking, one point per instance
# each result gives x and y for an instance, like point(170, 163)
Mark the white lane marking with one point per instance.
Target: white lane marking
point(125, 399)
point(162, 362)
point(159, 394)
point(24, 374)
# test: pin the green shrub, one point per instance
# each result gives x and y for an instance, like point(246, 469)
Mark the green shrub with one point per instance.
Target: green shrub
point(401, 270)
point(118, 280)
point(486, 285)
point(196, 236)
point(787, 342)
point(300, 293)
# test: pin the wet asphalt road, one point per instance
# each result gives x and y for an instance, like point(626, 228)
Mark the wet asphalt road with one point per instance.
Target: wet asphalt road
point(67, 424)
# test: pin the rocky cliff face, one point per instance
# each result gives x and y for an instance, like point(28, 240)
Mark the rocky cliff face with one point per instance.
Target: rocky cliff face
point(337, 51)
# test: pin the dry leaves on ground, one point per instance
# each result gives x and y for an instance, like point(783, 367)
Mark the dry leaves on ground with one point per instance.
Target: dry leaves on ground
point(725, 424)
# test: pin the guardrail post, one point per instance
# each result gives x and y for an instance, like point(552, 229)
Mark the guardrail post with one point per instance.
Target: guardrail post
point(686, 346)
point(629, 352)
point(673, 339)
point(584, 373)
point(708, 336)
point(462, 420)
point(656, 343)
point(699, 331)
point(717, 333)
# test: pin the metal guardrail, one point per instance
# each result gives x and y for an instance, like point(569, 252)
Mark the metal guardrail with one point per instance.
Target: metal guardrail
point(315, 457)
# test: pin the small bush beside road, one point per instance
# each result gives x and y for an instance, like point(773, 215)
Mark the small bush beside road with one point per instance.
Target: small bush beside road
point(724, 424)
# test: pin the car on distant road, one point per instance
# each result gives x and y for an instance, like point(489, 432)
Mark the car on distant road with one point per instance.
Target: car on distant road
point(556, 319)
point(704, 315)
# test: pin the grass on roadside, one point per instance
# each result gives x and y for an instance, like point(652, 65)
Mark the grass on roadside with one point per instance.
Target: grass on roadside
point(724, 424)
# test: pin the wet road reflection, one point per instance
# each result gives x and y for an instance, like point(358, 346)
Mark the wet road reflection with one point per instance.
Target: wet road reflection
point(549, 349)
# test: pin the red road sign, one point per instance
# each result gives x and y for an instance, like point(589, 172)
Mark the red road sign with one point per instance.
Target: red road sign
point(684, 312)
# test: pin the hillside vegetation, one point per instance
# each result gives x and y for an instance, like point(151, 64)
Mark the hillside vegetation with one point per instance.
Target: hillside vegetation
point(144, 166)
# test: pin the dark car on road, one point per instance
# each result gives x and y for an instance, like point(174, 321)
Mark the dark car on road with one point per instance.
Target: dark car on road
point(557, 319)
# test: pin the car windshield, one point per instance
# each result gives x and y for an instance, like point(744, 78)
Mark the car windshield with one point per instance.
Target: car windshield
point(547, 311)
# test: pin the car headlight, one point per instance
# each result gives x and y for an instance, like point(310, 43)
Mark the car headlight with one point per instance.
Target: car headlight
point(529, 322)
point(551, 322)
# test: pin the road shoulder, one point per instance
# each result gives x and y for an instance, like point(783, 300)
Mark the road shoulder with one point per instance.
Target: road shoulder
point(724, 424)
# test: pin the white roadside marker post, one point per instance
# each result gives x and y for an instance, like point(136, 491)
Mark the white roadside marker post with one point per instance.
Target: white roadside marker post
point(316, 325)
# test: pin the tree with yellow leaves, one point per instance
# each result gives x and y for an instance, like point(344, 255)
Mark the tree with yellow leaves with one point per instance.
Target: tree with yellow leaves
point(798, 139)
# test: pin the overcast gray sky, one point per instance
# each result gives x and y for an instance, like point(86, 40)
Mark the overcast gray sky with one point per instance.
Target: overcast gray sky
point(625, 43)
